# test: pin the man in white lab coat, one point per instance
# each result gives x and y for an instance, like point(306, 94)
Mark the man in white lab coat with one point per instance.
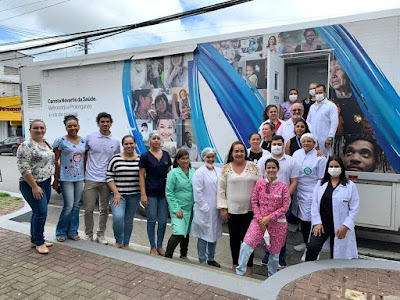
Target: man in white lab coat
point(323, 119)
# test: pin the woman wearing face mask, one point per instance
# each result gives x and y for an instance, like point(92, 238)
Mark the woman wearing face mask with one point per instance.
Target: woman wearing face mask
point(179, 192)
point(334, 209)
point(268, 132)
point(311, 169)
point(284, 112)
point(270, 115)
point(206, 224)
point(300, 128)
point(235, 186)
point(35, 162)
point(69, 176)
point(270, 201)
point(310, 100)
point(255, 152)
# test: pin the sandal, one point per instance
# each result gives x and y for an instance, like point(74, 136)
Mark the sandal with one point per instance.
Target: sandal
point(47, 244)
point(42, 249)
point(75, 238)
point(61, 239)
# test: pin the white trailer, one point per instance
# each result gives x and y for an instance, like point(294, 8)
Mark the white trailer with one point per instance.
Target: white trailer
point(229, 80)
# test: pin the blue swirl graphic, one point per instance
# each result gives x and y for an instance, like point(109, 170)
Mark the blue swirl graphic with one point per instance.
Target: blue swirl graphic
point(203, 137)
point(127, 93)
point(374, 93)
point(242, 105)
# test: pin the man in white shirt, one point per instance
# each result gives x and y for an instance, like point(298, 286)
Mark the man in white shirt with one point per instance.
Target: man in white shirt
point(323, 119)
point(288, 173)
point(190, 147)
point(286, 130)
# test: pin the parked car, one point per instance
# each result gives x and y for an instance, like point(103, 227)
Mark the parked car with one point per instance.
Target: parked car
point(11, 144)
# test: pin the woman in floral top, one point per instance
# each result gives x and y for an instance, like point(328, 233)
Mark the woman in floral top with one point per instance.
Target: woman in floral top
point(235, 186)
point(270, 202)
point(35, 161)
point(69, 176)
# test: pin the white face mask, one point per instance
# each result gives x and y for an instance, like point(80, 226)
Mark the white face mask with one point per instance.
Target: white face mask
point(277, 150)
point(334, 172)
point(208, 165)
point(319, 97)
point(312, 92)
point(293, 98)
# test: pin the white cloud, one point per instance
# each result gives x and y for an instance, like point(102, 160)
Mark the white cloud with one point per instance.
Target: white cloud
point(79, 15)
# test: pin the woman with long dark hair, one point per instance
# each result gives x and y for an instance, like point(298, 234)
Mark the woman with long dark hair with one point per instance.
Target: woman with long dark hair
point(179, 192)
point(300, 128)
point(334, 209)
point(235, 186)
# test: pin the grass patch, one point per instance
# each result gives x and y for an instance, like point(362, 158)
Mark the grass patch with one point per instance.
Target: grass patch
point(9, 202)
point(3, 194)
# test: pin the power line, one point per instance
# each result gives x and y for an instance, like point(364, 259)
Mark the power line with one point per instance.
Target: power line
point(23, 5)
point(34, 10)
point(120, 29)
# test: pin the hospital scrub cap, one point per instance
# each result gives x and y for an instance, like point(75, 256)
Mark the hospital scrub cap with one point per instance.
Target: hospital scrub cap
point(311, 136)
point(207, 151)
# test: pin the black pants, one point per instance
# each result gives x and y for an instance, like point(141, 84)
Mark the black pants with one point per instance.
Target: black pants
point(173, 241)
point(316, 243)
point(305, 230)
point(237, 226)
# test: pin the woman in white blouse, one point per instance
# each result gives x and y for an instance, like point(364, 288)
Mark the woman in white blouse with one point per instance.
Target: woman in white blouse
point(35, 161)
point(235, 186)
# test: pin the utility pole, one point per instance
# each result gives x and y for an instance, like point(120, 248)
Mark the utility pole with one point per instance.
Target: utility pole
point(86, 46)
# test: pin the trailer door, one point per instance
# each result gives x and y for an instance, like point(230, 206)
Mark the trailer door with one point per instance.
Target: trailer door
point(275, 79)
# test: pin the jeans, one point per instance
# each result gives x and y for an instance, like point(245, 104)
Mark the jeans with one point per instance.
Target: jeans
point(96, 190)
point(68, 222)
point(203, 247)
point(157, 209)
point(39, 209)
point(282, 257)
point(246, 251)
point(123, 215)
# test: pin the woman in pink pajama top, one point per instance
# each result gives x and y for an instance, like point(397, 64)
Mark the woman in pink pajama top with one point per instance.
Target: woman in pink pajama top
point(270, 201)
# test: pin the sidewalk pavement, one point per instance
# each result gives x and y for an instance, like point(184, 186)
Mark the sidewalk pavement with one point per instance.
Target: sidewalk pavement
point(352, 283)
point(87, 270)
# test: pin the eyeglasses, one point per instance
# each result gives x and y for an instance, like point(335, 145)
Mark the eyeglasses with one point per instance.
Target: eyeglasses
point(294, 110)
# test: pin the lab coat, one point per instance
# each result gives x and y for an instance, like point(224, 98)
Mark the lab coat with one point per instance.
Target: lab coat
point(286, 130)
point(345, 207)
point(311, 169)
point(323, 120)
point(179, 193)
point(206, 223)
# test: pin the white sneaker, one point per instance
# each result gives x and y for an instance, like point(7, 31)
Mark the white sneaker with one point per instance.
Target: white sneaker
point(303, 257)
point(101, 240)
point(300, 247)
point(90, 238)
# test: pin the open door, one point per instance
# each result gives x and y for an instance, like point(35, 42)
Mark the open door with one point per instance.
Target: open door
point(275, 79)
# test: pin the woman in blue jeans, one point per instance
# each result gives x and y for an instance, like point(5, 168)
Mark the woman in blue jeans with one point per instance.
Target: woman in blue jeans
point(123, 180)
point(35, 161)
point(154, 167)
point(69, 176)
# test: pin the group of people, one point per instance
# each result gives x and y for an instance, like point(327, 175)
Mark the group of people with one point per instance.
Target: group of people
point(283, 176)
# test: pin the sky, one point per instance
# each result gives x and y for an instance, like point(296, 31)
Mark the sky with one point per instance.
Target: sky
point(27, 19)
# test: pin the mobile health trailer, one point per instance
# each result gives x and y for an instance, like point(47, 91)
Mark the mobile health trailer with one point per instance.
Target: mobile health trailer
point(212, 91)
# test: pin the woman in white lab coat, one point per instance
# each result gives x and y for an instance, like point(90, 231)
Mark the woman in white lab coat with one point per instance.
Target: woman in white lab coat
point(333, 212)
point(311, 169)
point(206, 224)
